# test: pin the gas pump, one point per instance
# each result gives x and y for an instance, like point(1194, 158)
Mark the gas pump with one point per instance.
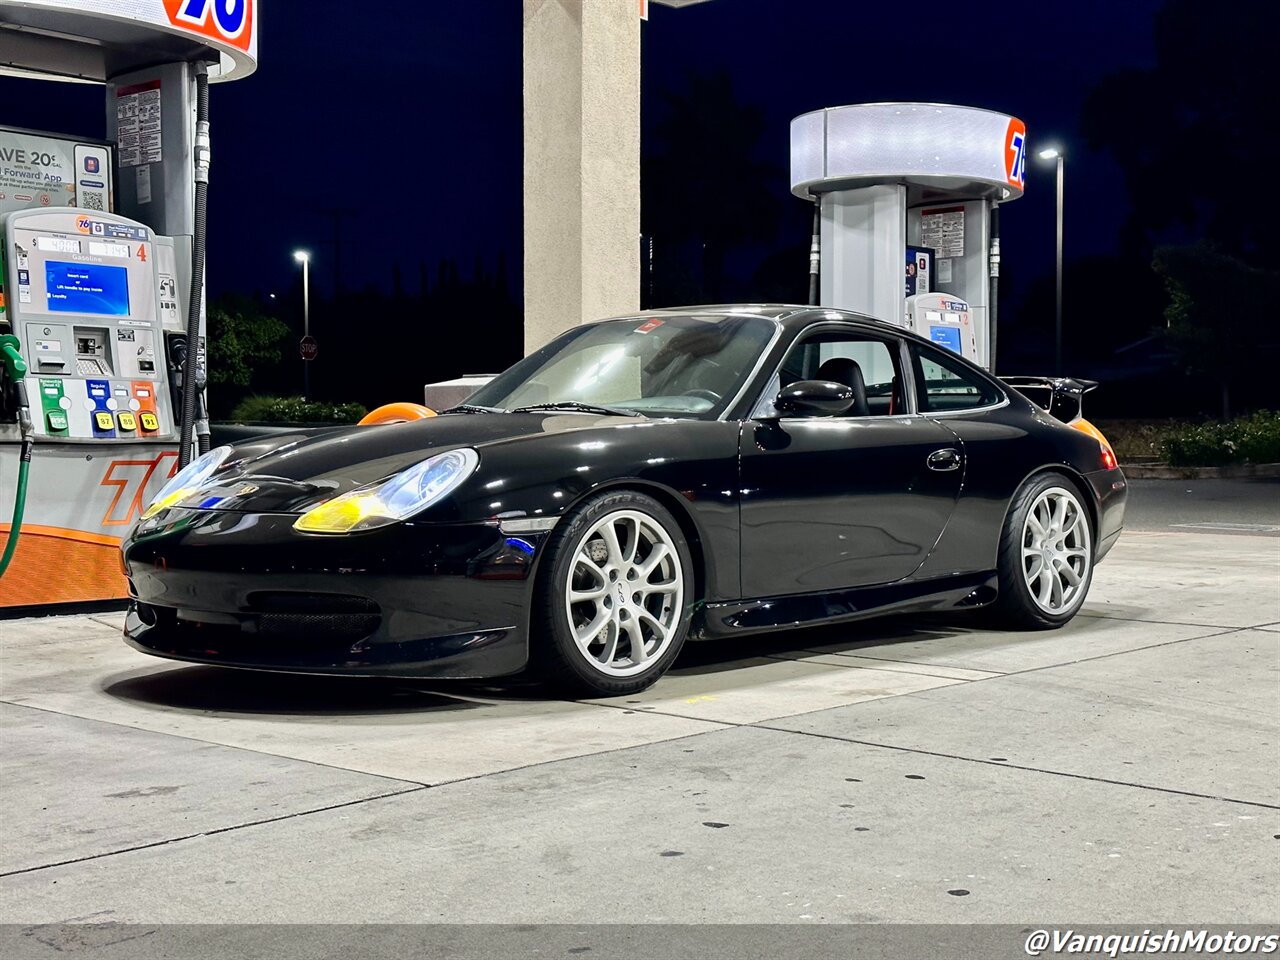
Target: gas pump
point(101, 280)
point(946, 321)
point(82, 302)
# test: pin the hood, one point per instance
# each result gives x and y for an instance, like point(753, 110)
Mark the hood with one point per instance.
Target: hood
point(290, 473)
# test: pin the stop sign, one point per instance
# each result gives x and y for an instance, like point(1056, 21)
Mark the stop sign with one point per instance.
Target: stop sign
point(308, 347)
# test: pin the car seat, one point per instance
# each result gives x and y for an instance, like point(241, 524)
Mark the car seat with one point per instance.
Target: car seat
point(845, 371)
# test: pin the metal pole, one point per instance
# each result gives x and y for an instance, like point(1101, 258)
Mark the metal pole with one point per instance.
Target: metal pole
point(815, 253)
point(993, 295)
point(1057, 312)
point(306, 325)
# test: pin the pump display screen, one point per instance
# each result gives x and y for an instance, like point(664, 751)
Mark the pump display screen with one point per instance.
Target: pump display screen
point(86, 288)
point(949, 337)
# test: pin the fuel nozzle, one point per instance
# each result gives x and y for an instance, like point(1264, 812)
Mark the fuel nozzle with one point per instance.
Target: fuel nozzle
point(14, 369)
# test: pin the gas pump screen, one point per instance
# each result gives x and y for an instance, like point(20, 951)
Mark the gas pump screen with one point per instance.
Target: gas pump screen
point(87, 288)
point(949, 337)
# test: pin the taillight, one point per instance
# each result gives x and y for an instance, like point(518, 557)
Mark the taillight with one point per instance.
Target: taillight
point(1108, 455)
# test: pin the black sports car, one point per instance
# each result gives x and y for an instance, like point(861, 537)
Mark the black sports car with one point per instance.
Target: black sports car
point(701, 473)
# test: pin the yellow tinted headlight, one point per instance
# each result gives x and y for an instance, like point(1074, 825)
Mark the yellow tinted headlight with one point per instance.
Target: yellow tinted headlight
point(188, 480)
point(394, 499)
point(359, 508)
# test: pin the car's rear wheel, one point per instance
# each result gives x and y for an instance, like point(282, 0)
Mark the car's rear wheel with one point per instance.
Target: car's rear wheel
point(614, 602)
point(1046, 555)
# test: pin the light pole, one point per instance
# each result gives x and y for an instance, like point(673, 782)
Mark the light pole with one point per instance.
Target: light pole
point(1053, 153)
point(304, 258)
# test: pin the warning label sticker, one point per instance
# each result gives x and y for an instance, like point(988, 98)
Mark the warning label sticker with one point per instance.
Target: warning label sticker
point(138, 125)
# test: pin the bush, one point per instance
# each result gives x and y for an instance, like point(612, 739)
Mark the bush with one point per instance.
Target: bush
point(295, 410)
point(1254, 439)
point(1137, 440)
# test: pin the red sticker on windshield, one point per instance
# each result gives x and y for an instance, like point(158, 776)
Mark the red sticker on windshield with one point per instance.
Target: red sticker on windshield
point(649, 325)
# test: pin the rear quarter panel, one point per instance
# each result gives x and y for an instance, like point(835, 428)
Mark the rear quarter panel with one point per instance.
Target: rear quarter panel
point(1003, 446)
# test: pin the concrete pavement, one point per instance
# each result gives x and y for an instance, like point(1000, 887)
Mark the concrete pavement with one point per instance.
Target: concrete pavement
point(1119, 770)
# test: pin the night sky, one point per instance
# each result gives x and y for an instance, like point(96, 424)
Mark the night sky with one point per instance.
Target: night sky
point(412, 118)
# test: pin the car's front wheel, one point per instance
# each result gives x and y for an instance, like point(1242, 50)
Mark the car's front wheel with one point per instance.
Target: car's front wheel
point(1046, 555)
point(614, 602)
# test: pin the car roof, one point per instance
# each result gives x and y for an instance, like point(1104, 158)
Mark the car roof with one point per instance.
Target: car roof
point(790, 316)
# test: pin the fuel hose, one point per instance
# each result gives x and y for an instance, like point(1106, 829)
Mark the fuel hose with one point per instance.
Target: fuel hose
point(19, 505)
point(190, 373)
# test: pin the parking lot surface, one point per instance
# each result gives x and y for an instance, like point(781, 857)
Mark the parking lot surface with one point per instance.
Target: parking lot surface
point(1122, 769)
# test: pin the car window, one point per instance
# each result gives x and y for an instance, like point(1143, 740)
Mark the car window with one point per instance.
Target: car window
point(945, 383)
point(690, 365)
point(825, 355)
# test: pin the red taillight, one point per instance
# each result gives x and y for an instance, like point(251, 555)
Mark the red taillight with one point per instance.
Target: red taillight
point(1108, 457)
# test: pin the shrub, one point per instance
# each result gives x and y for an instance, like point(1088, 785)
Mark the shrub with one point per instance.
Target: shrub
point(1254, 439)
point(1138, 440)
point(295, 410)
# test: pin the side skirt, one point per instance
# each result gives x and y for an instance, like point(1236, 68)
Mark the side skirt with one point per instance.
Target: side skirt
point(741, 617)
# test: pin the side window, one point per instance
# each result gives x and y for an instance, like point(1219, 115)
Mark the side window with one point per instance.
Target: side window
point(943, 383)
point(849, 358)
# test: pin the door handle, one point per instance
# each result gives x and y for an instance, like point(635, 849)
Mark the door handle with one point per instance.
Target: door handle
point(944, 460)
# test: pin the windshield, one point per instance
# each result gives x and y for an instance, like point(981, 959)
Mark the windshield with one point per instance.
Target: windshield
point(682, 366)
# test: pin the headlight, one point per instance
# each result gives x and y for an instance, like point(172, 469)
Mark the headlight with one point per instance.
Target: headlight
point(187, 481)
point(391, 500)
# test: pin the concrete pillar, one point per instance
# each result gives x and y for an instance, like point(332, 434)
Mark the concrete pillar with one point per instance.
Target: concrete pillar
point(581, 163)
point(864, 244)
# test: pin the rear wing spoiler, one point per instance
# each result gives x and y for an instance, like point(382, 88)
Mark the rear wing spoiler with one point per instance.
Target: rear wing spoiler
point(1062, 397)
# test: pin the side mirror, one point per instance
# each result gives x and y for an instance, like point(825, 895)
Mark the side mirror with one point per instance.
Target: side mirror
point(820, 398)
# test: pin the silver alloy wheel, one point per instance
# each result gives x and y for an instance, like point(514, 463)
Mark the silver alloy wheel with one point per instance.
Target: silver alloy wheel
point(1056, 551)
point(624, 593)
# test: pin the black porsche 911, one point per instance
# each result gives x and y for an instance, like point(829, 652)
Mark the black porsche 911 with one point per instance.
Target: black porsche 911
point(703, 473)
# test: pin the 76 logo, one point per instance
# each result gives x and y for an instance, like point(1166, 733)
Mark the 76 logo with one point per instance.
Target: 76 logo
point(1016, 153)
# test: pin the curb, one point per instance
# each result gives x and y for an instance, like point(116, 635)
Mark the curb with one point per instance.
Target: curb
point(1162, 471)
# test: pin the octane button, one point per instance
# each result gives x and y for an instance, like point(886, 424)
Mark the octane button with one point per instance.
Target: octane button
point(149, 421)
point(104, 420)
point(126, 420)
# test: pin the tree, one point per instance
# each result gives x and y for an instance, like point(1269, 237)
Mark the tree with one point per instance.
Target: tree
point(1190, 133)
point(242, 339)
point(1212, 321)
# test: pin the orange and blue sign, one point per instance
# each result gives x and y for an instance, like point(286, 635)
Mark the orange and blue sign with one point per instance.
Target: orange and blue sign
point(1015, 153)
point(227, 21)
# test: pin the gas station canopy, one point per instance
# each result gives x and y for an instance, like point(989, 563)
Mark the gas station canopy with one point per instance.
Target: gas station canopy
point(95, 40)
point(937, 150)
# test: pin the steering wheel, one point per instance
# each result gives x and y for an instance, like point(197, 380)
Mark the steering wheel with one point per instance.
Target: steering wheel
point(704, 394)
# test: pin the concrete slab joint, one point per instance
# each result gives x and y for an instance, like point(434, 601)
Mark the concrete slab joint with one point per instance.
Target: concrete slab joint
point(581, 163)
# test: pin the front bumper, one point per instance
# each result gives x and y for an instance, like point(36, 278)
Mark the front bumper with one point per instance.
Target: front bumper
point(247, 590)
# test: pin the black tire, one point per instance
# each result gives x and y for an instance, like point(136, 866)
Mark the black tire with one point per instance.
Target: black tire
point(556, 657)
point(1016, 607)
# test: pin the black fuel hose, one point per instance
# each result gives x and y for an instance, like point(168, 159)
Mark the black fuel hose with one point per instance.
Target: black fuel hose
point(190, 377)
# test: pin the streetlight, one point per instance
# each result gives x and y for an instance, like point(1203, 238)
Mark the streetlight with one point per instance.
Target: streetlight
point(304, 257)
point(1053, 153)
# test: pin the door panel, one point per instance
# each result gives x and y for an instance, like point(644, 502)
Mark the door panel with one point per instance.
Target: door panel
point(836, 502)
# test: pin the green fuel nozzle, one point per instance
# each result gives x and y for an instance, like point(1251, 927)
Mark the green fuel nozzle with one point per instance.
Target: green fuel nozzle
point(14, 369)
point(14, 366)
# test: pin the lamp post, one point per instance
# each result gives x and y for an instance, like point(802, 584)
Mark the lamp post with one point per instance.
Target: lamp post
point(303, 257)
point(1053, 153)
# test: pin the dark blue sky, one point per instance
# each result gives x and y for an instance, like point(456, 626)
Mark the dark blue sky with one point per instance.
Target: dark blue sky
point(412, 118)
